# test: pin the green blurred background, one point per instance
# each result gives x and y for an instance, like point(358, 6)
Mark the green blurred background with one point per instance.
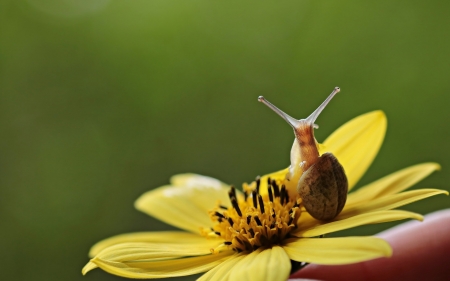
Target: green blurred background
point(103, 100)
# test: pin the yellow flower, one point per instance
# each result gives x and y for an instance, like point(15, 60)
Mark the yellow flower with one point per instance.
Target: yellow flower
point(255, 234)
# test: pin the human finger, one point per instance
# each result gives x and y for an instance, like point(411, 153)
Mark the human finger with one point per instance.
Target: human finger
point(420, 252)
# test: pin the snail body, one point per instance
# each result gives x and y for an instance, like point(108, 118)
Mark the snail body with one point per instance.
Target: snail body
point(320, 179)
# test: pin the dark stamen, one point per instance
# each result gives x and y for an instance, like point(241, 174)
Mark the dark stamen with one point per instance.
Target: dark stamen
point(230, 195)
point(290, 221)
point(239, 240)
point(276, 189)
point(255, 203)
point(227, 243)
point(219, 215)
point(233, 191)
point(264, 240)
point(258, 183)
point(223, 207)
point(252, 232)
point(249, 218)
point(282, 194)
point(269, 181)
point(272, 225)
point(258, 222)
point(230, 221)
point(269, 190)
point(217, 233)
point(248, 246)
point(273, 213)
point(245, 195)
point(261, 203)
point(236, 206)
point(274, 239)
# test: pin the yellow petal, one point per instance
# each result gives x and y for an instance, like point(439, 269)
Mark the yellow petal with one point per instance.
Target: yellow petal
point(203, 191)
point(193, 180)
point(165, 268)
point(390, 202)
point(306, 221)
point(156, 237)
point(222, 271)
point(88, 267)
point(182, 245)
point(368, 218)
point(336, 250)
point(127, 252)
point(185, 204)
point(356, 143)
point(393, 183)
point(267, 264)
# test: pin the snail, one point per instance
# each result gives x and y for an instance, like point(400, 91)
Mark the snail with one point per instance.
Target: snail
point(320, 179)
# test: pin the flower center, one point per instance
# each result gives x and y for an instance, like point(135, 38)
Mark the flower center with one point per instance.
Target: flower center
point(255, 220)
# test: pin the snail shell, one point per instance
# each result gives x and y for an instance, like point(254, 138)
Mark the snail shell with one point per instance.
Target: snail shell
point(323, 188)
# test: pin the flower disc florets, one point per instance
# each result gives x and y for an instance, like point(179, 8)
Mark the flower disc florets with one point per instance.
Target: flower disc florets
point(255, 220)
